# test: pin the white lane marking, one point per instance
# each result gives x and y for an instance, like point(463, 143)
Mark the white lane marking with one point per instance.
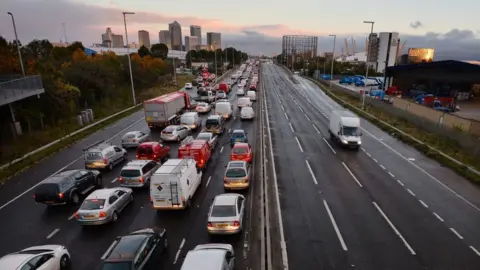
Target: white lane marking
point(423, 203)
point(291, 127)
point(375, 160)
point(115, 180)
point(411, 192)
point(456, 233)
point(368, 154)
point(208, 181)
point(295, 102)
point(283, 244)
point(283, 109)
point(71, 217)
point(311, 172)
point(108, 249)
point(475, 250)
point(363, 150)
point(229, 130)
point(383, 167)
point(308, 118)
point(337, 230)
point(221, 149)
point(301, 109)
point(329, 146)
point(53, 233)
point(316, 129)
point(286, 116)
point(401, 183)
point(394, 228)
point(410, 160)
point(179, 250)
point(66, 166)
point(391, 174)
point(234, 118)
point(324, 114)
point(351, 174)
point(299, 145)
point(439, 217)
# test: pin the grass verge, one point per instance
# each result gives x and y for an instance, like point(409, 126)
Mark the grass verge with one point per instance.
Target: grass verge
point(447, 146)
point(10, 171)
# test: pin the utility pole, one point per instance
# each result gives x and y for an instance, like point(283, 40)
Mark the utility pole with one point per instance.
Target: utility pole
point(333, 59)
point(366, 62)
point(128, 55)
point(174, 71)
point(18, 44)
point(65, 33)
point(233, 55)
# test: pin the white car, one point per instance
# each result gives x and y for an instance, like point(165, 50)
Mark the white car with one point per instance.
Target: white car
point(188, 86)
point(134, 139)
point(174, 133)
point(226, 214)
point(47, 257)
point(244, 102)
point(240, 91)
point(247, 113)
point(203, 107)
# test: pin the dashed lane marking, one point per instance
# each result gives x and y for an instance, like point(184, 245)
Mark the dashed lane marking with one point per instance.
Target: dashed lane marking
point(329, 146)
point(221, 149)
point(423, 203)
point(299, 145)
point(411, 192)
point(383, 167)
point(475, 250)
point(337, 230)
point(291, 127)
point(438, 217)
point(53, 233)
point(308, 118)
point(316, 129)
point(311, 172)
point(351, 174)
point(456, 233)
point(391, 174)
point(208, 181)
point(115, 180)
point(401, 183)
point(179, 250)
point(286, 116)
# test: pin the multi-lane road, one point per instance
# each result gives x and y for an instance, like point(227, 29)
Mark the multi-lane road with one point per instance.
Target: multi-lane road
point(312, 205)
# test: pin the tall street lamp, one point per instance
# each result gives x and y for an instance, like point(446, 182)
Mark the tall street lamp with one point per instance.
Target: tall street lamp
point(128, 55)
point(215, 48)
point(18, 43)
point(333, 59)
point(366, 62)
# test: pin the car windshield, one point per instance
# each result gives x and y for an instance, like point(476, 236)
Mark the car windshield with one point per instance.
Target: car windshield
point(145, 150)
point(187, 119)
point(350, 131)
point(211, 122)
point(240, 150)
point(169, 129)
point(247, 110)
point(93, 204)
point(238, 135)
point(117, 266)
point(92, 156)
point(203, 93)
point(129, 136)
point(236, 172)
point(130, 173)
point(223, 211)
point(47, 188)
point(203, 136)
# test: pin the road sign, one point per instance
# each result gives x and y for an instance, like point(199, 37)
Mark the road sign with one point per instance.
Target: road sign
point(159, 187)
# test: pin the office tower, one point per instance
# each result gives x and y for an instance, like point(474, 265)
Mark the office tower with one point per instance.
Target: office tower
point(144, 38)
point(175, 35)
point(109, 39)
point(196, 31)
point(214, 40)
point(191, 43)
point(165, 38)
point(387, 50)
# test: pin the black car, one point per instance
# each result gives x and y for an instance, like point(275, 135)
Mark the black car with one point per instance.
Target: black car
point(215, 124)
point(139, 250)
point(67, 187)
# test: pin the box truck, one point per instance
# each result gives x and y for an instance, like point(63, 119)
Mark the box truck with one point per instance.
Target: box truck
point(344, 127)
point(166, 110)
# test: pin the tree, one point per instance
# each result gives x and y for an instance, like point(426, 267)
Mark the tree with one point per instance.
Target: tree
point(76, 45)
point(143, 51)
point(159, 50)
point(61, 54)
point(39, 49)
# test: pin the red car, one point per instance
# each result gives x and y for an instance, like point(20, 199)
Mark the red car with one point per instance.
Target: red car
point(253, 87)
point(241, 152)
point(153, 151)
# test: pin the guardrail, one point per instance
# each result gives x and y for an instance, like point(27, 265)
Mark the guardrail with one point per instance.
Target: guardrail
point(4, 166)
point(471, 169)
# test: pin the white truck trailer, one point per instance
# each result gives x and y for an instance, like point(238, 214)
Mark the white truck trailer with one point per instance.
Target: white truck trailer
point(344, 127)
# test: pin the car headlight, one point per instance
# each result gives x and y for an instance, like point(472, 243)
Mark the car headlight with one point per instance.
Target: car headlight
point(359, 142)
point(344, 142)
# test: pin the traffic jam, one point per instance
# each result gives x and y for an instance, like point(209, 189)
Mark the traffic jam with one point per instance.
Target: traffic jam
point(169, 169)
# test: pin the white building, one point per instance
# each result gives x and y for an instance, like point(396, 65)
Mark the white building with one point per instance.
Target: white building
point(123, 51)
point(387, 48)
point(359, 57)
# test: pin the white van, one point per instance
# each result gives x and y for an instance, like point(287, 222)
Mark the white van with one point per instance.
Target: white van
point(252, 95)
point(244, 102)
point(224, 109)
point(173, 185)
point(345, 128)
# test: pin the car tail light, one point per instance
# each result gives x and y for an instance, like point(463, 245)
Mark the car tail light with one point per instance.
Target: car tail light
point(60, 195)
point(105, 161)
point(102, 214)
point(236, 223)
point(225, 180)
point(34, 196)
point(120, 179)
point(76, 215)
point(209, 224)
point(134, 140)
point(140, 180)
point(136, 156)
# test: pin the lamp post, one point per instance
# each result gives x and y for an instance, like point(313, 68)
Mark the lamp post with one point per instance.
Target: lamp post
point(333, 59)
point(18, 43)
point(233, 56)
point(366, 62)
point(128, 55)
point(214, 47)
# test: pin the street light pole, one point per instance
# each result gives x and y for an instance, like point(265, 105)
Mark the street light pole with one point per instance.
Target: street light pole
point(18, 44)
point(128, 55)
point(366, 62)
point(233, 55)
point(216, 73)
point(333, 59)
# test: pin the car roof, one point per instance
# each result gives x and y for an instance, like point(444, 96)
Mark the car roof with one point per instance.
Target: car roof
point(236, 164)
point(247, 108)
point(204, 259)
point(127, 247)
point(214, 117)
point(238, 131)
point(132, 132)
point(12, 261)
point(147, 143)
point(225, 199)
point(59, 177)
point(189, 114)
point(101, 193)
point(205, 133)
point(135, 164)
point(240, 145)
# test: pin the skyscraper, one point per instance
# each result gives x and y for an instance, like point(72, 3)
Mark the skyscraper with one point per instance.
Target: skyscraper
point(165, 38)
point(196, 31)
point(175, 35)
point(144, 38)
point(214, 40)
point(109, 39)
point(190, 43)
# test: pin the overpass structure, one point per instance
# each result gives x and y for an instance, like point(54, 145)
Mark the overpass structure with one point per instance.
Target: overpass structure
point(181, 55)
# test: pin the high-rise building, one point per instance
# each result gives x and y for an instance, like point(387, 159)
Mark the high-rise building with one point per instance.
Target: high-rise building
point(214, 40)
point(196, 31)
point(190, 43)
point(299, 47)
point(109, 39)
point(165, 38)
point(175, 35)
point(144, 38)
point(387, 50)
point(372, 49)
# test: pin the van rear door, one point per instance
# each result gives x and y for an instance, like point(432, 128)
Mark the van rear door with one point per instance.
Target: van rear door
point(165, 191)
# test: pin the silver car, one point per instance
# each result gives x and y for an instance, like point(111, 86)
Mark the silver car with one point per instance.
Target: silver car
point(174, 133)
point(134, 138)
point(103, 206)
point(237, 175)
point(226, 214)
point(203, 107)
point(137, 173)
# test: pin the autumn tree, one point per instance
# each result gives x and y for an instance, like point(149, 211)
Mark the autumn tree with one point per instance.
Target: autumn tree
point(159, 50)
point(38, 49)
point(143, 51)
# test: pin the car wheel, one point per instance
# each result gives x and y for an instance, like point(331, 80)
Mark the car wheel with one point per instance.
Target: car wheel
point(75, 198)
point(115, 217)
point(131, 196)
point(64, 262)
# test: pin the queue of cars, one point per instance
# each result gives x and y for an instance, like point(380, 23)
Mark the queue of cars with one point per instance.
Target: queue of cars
point(171, 182)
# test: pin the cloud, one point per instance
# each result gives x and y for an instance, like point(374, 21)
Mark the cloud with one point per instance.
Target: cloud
point(416, 24)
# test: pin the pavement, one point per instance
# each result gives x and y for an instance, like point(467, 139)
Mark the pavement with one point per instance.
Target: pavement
point(25, 223)
point(384, 207)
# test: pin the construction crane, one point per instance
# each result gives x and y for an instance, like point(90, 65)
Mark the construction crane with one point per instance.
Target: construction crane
point(346, 47)
point(354, 47)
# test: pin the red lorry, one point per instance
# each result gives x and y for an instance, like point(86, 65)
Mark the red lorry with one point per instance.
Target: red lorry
point(166, 110)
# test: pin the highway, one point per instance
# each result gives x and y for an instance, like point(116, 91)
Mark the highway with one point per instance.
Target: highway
point(25, 223)
point(383, 207)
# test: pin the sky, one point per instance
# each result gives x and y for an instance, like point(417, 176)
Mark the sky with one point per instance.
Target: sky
point(452, 28)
